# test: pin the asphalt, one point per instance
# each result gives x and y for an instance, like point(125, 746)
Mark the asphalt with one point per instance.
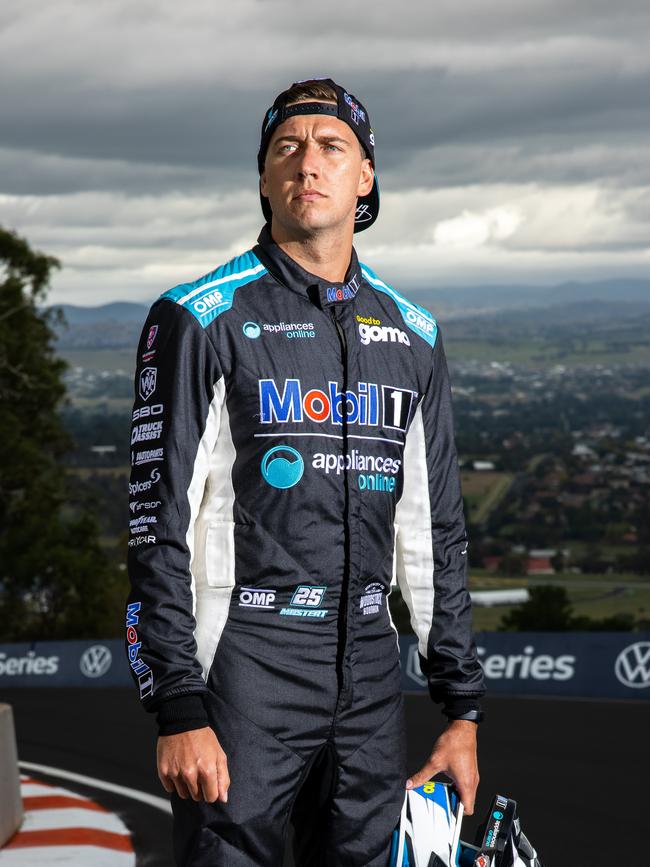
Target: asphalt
point(578, 769)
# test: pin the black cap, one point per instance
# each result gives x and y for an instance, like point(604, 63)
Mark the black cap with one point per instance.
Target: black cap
point(349, 110)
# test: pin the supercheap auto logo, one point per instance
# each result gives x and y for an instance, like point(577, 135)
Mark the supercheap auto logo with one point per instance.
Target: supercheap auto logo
point(372, 404)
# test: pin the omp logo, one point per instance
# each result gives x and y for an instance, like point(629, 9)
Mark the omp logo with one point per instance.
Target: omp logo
point(419, 321)
point(95, 661)
point(249, 597)
point(632, 665)
point(382, 334)
point(209, 302)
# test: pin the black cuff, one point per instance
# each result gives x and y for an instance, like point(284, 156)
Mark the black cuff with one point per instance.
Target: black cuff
point(181, 713)
point(456, 706)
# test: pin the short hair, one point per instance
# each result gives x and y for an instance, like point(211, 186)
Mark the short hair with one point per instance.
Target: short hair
point(311, 89)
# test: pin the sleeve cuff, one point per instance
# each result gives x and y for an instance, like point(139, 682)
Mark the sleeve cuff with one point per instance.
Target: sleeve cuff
point(455, 706)
point(181, 713)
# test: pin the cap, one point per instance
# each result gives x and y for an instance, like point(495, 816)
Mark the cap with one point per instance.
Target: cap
point(348, 109)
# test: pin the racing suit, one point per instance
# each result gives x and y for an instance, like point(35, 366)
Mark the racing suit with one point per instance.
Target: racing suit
point(292, 450)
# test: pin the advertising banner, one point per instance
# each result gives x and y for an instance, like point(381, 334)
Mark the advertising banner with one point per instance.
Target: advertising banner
point(580, 664)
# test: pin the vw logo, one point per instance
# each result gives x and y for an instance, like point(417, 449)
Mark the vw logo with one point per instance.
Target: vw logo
point(280, 472)
point(251, 329)
point(632, 665)
point(95, 661)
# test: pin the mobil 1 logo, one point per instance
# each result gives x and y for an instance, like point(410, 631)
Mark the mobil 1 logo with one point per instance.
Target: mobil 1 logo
point(397, 406)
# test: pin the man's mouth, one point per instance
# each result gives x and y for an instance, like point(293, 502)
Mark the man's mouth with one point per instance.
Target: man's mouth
point(309, 195)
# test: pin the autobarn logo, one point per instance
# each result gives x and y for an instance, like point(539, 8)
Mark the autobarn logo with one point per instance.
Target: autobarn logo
point(632, 666)
point(95, 661)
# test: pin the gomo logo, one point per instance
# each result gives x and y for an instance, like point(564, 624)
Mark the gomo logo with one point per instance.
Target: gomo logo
point(632, 666)
point(382, 334)
point(95, 661)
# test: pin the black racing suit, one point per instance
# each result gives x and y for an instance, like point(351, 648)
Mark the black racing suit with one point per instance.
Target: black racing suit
point(292, 450)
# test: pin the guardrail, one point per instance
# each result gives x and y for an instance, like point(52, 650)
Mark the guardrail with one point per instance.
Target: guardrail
point(581, 664)
point(11, 802)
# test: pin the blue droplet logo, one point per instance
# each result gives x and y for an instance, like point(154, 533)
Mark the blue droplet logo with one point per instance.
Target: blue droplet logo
point(497, 814)
point(251, 329)
point(282, 472)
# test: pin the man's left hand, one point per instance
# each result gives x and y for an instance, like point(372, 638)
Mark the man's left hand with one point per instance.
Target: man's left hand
point(454, 754)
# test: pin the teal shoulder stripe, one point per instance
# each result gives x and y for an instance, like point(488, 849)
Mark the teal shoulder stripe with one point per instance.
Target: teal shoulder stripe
point(414, 315)
point(213, 293)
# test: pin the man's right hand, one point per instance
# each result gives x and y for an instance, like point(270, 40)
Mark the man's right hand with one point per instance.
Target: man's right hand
point(194, 764)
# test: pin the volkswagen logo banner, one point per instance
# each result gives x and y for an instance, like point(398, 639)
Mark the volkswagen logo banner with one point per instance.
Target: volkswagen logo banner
point(581, 664)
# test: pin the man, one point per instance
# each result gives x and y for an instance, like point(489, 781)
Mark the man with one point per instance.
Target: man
point(292, 449)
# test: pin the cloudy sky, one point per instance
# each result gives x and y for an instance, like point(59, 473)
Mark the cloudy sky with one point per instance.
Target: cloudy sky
point(511, 136)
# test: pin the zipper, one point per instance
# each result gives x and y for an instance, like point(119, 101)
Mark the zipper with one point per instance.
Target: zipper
point(343, 606)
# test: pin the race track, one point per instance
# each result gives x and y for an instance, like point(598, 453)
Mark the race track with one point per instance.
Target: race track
point(578, 769)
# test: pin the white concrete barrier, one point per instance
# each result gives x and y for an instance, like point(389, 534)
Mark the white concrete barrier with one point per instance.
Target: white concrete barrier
point(11, 802)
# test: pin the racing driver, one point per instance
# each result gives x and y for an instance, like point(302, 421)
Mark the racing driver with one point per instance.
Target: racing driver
point(292, 451)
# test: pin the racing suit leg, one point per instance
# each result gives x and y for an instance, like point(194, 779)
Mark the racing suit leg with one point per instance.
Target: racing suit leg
point(346, 815)
point(248, 830)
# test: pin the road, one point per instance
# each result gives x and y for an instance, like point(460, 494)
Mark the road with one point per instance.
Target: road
point(578, 769)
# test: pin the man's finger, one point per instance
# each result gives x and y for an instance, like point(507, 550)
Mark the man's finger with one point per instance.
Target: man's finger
point(223, 776)
point(430, 769)
point(466, 793)
point(167, 784)
point(181, 788)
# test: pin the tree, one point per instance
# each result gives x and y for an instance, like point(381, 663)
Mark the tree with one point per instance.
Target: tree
point(547, 610)
point(55, 581)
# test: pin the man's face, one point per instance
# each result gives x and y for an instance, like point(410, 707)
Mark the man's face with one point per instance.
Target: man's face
point(311, 154)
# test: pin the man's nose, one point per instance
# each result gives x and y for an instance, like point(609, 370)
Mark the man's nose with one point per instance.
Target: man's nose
point(307, 159)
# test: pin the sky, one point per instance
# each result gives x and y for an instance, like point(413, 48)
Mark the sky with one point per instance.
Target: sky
point(511, 136)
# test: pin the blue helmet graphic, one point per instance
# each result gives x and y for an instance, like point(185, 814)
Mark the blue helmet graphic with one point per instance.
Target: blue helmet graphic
point(281, 472)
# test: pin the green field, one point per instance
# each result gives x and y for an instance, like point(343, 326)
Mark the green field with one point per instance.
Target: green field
point(595, 596)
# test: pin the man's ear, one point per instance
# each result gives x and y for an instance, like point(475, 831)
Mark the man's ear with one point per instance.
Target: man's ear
point(263, 183)
point(363, 180)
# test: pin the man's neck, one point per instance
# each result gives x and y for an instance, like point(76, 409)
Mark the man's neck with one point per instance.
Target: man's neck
point(326, 254)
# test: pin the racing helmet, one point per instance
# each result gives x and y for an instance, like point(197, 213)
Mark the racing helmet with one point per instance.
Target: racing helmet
point(428, 833)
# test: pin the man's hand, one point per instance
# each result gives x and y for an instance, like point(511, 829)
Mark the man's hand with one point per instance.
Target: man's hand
point(454, 754)
point(194, 764)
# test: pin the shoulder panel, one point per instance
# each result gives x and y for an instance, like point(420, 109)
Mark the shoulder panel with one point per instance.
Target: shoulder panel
point(213, 293)
point(414, 315)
